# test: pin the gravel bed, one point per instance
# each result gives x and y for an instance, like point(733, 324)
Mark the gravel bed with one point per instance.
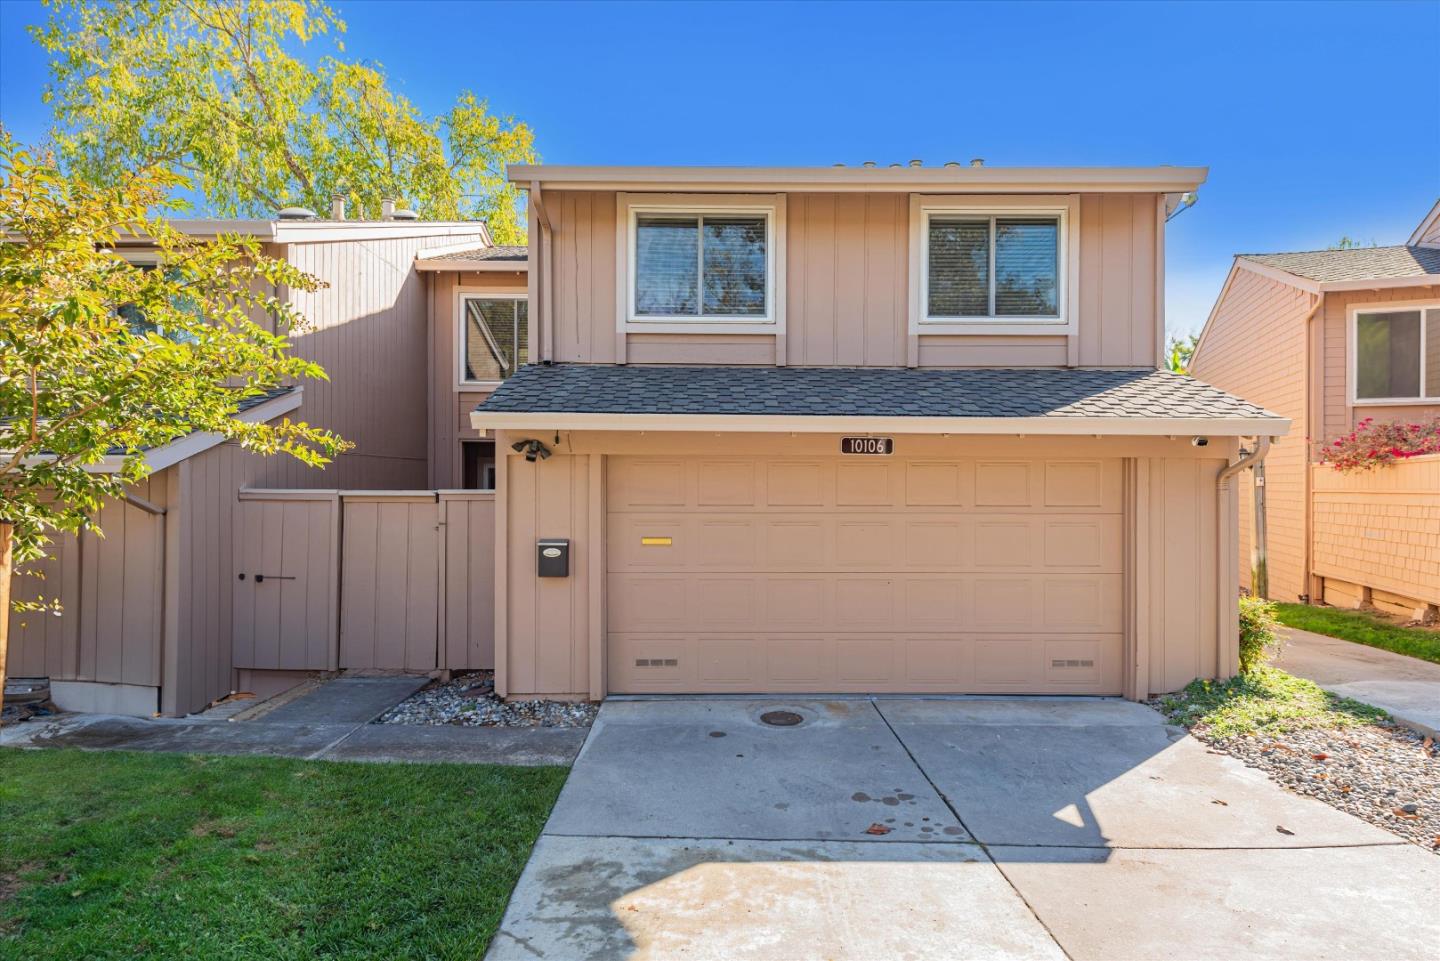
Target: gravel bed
point(468, 700)
point(1390, 776)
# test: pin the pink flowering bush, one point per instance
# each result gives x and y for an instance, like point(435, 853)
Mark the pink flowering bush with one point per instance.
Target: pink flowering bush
point(1375, 445)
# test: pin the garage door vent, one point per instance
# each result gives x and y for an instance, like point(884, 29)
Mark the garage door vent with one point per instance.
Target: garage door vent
point(656, 662)
point(1071, 662)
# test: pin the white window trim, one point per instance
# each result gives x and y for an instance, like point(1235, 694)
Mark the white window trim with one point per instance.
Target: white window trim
point(1430, 393)
point(461, 295)
point(1064, 206)
point(628, 207)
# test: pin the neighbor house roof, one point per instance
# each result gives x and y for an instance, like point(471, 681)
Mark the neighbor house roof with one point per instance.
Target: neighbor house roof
point(474, 257)
point(1356, 263)
point(875, 178)
point(258, 408)
point(982, 400)
point(317, 230)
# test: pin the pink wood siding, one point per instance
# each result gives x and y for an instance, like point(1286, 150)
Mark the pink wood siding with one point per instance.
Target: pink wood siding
point(1256, 347)
point(847, 288)
point(1381, 529)
point(1340, 417)
point(389, 583)
point(450, 406)
point(467, 609)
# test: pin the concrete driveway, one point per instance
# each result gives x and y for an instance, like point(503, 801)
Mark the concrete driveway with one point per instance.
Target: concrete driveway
point(916, 829)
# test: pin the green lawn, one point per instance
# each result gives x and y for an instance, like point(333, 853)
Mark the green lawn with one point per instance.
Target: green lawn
point(1362, 628)
point(1266, 701)
point(111, 855)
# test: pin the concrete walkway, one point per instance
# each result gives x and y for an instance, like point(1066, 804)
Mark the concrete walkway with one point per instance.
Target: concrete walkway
point(947, 828)
point(1407, 687)
point(329, 723)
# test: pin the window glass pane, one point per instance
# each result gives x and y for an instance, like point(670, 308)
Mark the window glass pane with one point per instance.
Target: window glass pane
point(667, 252)
point(1432, 353)
point(522, 333)
point(959, 269)
point(495, 343)
point(1027, 267)
point(1387, 355)
point(734, 252)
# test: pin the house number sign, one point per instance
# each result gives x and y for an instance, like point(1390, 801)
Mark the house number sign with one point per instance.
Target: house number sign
point(867, 445)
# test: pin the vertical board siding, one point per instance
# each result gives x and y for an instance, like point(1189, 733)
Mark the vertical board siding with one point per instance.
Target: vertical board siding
point(548, 618)
point(1182, 576)
point(468, 601)
point(389, 592)
point(1381, 529)
point(847, 289)
point(1257, 348)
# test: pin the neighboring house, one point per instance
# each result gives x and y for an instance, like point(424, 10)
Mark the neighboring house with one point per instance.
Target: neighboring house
point(152, 612)
point(858, 429)
point(1328, 338)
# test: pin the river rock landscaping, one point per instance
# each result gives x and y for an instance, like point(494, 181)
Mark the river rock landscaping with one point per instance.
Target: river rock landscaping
point(1347, 754)
point(468, 700)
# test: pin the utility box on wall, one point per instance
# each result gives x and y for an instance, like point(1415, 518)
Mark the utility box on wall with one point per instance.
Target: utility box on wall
point(552, 557)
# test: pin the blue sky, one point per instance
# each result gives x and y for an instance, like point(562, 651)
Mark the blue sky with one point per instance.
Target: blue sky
point(1317, 120)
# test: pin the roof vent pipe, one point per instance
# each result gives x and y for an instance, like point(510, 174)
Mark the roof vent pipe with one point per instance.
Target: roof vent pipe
point(387, 209)
point(952, 163)
point(978, 162)
point(917, 163)
point(296, 213)
point(404, 213)
point(868, 163)
point(837, 165)
point(337, 206)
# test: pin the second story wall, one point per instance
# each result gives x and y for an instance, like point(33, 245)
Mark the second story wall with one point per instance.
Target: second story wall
point(1341, 411)
point(846, 260)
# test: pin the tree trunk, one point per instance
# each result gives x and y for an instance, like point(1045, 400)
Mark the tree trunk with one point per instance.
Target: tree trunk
point(7, 532)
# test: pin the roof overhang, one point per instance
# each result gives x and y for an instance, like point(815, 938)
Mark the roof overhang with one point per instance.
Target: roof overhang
point(443, 264)
point(866, 179)
point(762, 423)
point(182, 448)
point(1326, 286)
point(319, 231)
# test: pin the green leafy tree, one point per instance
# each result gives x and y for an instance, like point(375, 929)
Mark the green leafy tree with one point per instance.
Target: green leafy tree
point(1179, 352)
point(222, 91)
point(101, 357)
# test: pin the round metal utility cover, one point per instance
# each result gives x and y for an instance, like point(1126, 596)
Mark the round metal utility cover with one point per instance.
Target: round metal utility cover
point(781, 718)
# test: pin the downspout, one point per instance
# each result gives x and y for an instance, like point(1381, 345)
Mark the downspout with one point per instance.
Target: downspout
point(1224, 605)
point(1314, 427)
point(543, 262)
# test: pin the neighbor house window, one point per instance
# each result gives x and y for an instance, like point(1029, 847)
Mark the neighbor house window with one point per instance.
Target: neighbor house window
point(1397, 354)
point(992, 267)
point(702, 266)
point(477, 465)
point(494, 336)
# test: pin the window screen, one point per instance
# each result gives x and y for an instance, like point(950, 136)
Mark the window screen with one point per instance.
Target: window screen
point(1387, 355)
point(713, 266)
point(496, 337)
point(988, 267)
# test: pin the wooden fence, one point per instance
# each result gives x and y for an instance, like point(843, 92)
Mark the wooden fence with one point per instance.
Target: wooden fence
point(360, 580)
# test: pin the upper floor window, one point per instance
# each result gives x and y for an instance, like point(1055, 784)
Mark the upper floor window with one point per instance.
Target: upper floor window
point(1396, 354)
point(692, 262)
point(494, 336)
point(984, 263)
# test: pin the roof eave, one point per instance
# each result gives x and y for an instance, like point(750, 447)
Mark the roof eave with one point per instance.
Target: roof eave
point(440, 265)
point(787, 423)
point(870, 179)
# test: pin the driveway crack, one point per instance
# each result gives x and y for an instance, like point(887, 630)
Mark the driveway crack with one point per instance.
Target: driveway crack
point(961, 821)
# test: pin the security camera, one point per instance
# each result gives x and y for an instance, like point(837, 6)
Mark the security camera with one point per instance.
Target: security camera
point(1199, 442)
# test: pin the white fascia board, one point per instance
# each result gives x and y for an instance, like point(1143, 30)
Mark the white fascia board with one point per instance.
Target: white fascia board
point(783, 423)
point(1275, 273)
point(182, 448)
point(1382, 283)
point(320, 231)
point(875, 179)
point(472, 266)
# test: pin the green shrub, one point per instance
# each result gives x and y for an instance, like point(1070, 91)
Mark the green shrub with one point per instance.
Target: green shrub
point(1258, 640)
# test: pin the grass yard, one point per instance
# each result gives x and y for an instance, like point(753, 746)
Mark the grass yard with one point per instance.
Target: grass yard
point(1362, 628)
point(111, 855)
point(1266, 701)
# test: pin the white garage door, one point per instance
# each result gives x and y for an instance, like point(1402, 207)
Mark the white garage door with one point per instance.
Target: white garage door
point(863, 574)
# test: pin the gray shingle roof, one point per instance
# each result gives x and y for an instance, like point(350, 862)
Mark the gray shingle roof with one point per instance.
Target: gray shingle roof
point(246, 403)
point(1357, 263)
point(482, 253)
point(864, 392)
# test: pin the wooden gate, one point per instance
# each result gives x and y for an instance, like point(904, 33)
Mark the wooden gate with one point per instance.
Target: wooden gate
point(286, 563)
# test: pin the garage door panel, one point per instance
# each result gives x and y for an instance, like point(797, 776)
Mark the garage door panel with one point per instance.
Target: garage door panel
point(834, 574)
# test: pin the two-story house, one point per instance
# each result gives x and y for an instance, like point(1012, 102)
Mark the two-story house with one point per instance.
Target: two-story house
point(1330, 339)
point(858, 429)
